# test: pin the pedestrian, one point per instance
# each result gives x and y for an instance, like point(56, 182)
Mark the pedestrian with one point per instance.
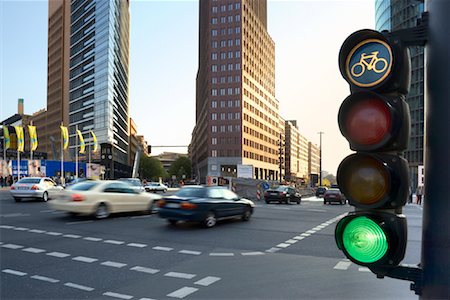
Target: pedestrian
point(410, 196)
point(1, 181)
point(419, 194)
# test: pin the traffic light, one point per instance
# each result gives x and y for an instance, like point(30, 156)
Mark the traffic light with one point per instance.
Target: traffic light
point(376, 122)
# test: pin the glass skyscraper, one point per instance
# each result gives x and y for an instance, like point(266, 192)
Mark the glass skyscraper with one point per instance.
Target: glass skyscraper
point(400, 14)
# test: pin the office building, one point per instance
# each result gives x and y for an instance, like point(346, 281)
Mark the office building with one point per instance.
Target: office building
point(237, 115)
point(296, 154)
point(393, 15)
point(88, 62)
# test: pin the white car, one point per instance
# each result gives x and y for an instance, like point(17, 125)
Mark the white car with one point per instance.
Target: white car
point(34, 187)
point(156, 187)
point(102, 198)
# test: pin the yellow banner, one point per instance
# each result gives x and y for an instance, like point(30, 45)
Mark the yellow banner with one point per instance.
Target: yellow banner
point(65, 136)
point(33, 137)
point(82, 145)
point(94, 138)
point(20, 138)
point(6, 137)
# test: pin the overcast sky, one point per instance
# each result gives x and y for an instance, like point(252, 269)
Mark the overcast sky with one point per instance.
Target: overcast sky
point(164, 62)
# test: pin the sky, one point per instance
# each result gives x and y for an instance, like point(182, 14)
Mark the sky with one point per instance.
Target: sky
point(164, 61)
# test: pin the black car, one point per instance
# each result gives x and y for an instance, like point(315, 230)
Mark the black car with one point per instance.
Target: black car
point(282, 194)
point(204, 204)
point(320, 191)
point(334, 195)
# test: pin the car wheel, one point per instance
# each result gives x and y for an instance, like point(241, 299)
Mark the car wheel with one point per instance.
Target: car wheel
point(247, 214)
point(299, 200)
point(102, 211)
point(17, 199)
point(288, 201)
point(210, 220)
point(45, 197)
point(152, 208)
point(172, 221)
point(164, 191)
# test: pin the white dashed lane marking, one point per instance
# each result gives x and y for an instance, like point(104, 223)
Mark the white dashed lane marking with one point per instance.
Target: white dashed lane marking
point(137, 245)
point(43, 278)
point(58, 254)
point(14, 272)
point(80, 287)
point(85, 259)
point(252, 253)
point(117, 295)
point(183, 292)
point(342, 265)
point(92, 239)
point(113, 264)
point(12, 246)
point(33, 250)
point(207, 280)
point(145, 270)
point(162, 248)
point(180, 275)
point(72, 236)
point(221, 254)
point(113, 242)
point(189, 252)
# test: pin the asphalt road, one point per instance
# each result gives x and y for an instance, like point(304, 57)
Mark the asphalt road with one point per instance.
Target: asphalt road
point(283, 252)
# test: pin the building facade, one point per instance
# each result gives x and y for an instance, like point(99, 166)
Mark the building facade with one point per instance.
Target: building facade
point(237, 115)
point(313, 163)
point(88, 77)
point(400, 14)
point(296, 154)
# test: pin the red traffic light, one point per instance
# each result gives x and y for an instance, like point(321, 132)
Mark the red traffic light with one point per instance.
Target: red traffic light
point(374, 180)
point(372, 122)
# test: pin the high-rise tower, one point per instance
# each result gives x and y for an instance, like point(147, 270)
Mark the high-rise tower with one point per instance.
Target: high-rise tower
point(237, 115)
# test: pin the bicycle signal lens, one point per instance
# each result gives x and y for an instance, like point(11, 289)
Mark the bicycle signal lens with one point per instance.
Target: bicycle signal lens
point(364, 240)
point(368, 122)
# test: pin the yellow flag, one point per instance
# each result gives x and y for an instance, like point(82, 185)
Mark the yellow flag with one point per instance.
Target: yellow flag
point(82, 145)
point(6, 137)
point(94, 138)
point(20, 138)
point(33, 137)
point(65, 136)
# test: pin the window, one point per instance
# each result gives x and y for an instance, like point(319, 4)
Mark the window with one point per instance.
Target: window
point(222, 104)
point(223, 43)
point(230, 91)
point(230, 128)
point(214, 128)
point(214, 68)
point(230, 67)
point(213, 154)
point(214, 32)
point(230, 79)
point(223, 55)
point(222, 116)
point(238, 66)
point(230, 116)
point(213, 116)
point(214, 141)
point(214, 9)
point(230, 19)
point(230, 54)
point(237, 91)
point(222, 92)
point(230, 103)
point(223, 68)
point(214, 92)
point(214, 21)
point(238, 18)
point(237, 5)
point(222, 128)
point(238, 54)
point(214, 44)
point(237, 103)
point(214, 104)
point(230, 43)
point(214, 56)
point(238, 42)
point(223, 20)
point(214, 80)
point(237, 116)
point(230, 30)
point(237, 30)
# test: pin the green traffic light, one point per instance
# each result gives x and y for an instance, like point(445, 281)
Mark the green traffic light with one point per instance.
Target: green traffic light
point(364, 240)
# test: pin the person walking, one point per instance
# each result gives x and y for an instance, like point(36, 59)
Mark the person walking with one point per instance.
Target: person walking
point(419, 194)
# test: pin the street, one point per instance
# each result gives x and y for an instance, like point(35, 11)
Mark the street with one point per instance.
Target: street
point(283, 252)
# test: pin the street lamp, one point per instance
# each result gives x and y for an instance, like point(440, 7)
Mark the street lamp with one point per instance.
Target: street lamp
point(320, 158)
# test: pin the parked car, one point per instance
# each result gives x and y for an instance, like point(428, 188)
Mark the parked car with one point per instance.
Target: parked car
point(282, 194)
point(204, 204)
point(135, 184)
point(156, 187)
point(102, 198)
point(34, 187)
point(334, 195)
point(321, 190)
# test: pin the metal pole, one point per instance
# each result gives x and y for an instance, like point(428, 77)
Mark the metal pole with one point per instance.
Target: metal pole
point(18, 163)
point(320, 158)
point(76, 151)
point(435, 260)
point(62, 158)
point(31, 146)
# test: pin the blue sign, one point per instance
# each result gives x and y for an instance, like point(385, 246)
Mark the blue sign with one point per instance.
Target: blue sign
point(265, 185)
point(369, 63)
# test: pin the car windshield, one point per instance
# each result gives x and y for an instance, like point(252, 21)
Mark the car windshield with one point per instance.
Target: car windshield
point(29, 180)
point(191, 192)
point(282, 188)
point(83, 186)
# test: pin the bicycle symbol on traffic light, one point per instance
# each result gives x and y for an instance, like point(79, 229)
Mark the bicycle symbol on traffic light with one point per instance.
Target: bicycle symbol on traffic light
point(369, 62)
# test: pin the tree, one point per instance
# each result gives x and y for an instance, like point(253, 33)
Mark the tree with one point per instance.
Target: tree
point(181, 166)
point(150, 168)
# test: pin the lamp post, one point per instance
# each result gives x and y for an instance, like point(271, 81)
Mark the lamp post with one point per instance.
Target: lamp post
point(320, 158)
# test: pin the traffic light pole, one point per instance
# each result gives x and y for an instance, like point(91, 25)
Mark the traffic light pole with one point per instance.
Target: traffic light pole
point(435, 260)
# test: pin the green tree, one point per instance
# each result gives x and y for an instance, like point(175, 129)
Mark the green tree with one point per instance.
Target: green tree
point(181, 166)
point(150, 168)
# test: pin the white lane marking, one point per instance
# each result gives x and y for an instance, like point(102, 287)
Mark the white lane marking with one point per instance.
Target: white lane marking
point(43, 278)
point(137, 245)
point(79, 222)
point(305, 234)
point(6, 227)
point(207, 280)
point(33, 250)
point(342, 265)
point(364, 269)
point(283, 245)
point(53, 233)
point(21, 229)
point(12, 215)
point(299, 238)
point(311, 231)
point(36, 231)
point(113, 264)
point(58, 254)
point(183, 292)
point(189, 252)
point(221, 254)
point(92, 239)
point(144, 270)
point(113, 242)
point(180, 275)
point(252, 253)
point(84, 259)
point(162, 248)
point(291, 241)
point(12, 246)
point(146, 299)
point(80, 287)
point(72, 236)
point(14, 272)
point(117, 295)
point(273, 250)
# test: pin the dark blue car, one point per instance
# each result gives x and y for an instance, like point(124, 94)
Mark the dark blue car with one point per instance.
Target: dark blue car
point(204, 204)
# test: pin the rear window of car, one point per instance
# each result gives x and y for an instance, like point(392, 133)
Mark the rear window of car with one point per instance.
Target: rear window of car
point(29, 180)
point(83, 186)
point(191, 192)
point(333, 191)
point(282, 188)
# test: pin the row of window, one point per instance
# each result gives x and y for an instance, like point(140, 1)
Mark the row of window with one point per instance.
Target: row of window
point(224, 20)
point(260, 114)
point(225, 31)
point(223, 68)
point(226, 116)
point(226, 153)
point(223, 91)
point(260, 92)
point(223, 55)
point(226, 141)
point(257, 134)
point(255, 156)
point(226, 79)
point(225, 128)
point(223, 8)
point(258, 146)
point(225, 43)
point(223, 103)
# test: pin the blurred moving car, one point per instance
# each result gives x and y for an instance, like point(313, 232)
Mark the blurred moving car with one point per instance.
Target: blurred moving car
point(204, 204)
point(156, 187)
point(282, 194)
point(102, 198)
point(76, 180)
point(334, 195)
point(321, 190)
point(34, 187)
point(135, 184)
